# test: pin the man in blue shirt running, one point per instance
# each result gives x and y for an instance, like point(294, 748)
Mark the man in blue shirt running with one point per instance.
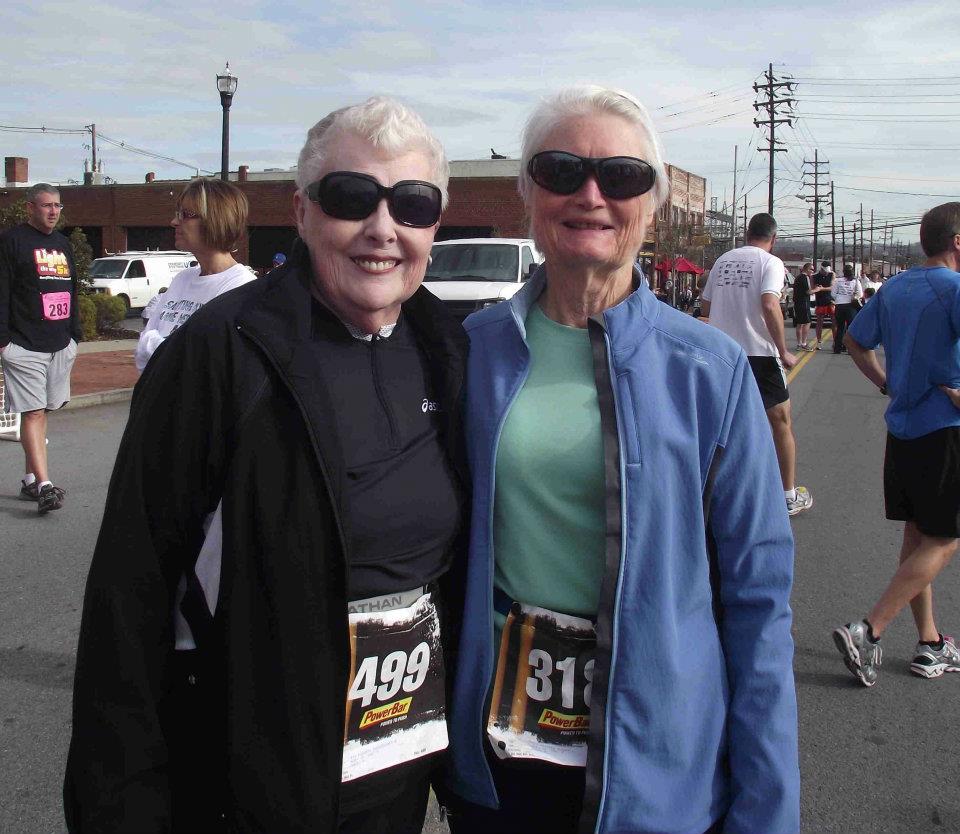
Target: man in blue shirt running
point(916, 317)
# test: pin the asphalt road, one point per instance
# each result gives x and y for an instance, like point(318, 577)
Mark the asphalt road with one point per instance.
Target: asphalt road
point(880, 760)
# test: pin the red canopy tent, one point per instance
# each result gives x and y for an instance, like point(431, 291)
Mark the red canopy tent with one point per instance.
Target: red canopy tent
point(679, 265)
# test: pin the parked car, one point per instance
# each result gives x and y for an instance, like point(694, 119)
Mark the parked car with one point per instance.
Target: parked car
point(137, 277)
point(147, 311)
point(786, 297)
point(474, 273)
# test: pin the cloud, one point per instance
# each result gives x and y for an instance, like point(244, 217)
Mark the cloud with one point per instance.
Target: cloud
point(146, 74)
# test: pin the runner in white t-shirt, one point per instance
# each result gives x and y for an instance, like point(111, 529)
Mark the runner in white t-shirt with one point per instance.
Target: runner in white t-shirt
point(210, 219)
point(189, 291)
point(742, 298)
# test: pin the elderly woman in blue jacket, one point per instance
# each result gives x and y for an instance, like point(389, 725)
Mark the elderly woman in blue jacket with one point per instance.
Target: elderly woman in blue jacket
point(626, 659)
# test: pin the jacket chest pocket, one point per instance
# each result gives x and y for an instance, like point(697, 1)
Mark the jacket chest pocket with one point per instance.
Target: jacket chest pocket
point(628, 398)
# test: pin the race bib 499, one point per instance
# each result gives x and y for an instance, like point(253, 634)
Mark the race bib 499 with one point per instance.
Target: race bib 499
point(541, 692)
point(396, 698)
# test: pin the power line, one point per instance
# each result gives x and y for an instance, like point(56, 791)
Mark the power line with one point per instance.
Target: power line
point(51, 130)
point(115, 142)
point(901, 193)
point(702, 124)
point(881, 116)
point(818, 79)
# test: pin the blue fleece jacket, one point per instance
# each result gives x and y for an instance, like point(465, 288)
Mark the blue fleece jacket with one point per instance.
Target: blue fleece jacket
point(694, 708)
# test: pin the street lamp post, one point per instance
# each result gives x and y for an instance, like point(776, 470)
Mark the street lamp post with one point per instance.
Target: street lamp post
point(227, 85)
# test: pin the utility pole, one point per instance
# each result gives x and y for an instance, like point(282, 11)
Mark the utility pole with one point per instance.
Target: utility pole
point(744, 218)
point(843, 242)
point(833, 231)
point(771, 104)
point(816, 197)
point(871, 240)
point(886, 250)
point(93, 145)
point(733, 213)
point(861, 237)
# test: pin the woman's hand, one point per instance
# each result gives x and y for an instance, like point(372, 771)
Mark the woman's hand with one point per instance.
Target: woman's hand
point(953, 394)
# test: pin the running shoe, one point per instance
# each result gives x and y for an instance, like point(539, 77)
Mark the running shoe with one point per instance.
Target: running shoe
point(29, 492)
point(50, 498)
point(803, 501)
point(860, 653)
point(819, 346)
point(929, 662)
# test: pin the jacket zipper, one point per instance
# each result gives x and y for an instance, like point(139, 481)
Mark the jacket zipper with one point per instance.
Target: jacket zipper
point(611, 589)
point(618, 592)
point(490, 560)
point(384, 404)
point(310, 433)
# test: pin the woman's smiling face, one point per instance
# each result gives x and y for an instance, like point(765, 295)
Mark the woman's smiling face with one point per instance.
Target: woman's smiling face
point(366, 267)
point(586, 227)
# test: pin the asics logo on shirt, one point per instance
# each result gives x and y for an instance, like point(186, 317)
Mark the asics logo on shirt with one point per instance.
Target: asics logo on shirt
point(429, 405)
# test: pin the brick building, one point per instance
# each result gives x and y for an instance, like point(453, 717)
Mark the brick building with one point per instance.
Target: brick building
point(483, 203)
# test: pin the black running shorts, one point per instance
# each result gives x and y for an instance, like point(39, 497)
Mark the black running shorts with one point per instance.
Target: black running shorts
point(801, 312)
point(768, 372)
point(921, 482)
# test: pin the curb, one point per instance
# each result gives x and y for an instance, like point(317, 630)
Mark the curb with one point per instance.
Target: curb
point(116, 395)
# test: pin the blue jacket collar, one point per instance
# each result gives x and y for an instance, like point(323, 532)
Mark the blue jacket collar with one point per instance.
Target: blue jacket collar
point(641, 308)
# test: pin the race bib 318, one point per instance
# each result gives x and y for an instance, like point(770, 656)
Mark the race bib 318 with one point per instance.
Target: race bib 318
point(541, 692)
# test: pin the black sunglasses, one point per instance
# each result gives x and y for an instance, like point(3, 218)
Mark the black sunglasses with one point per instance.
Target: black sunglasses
point(619, 177)
point(348, 195)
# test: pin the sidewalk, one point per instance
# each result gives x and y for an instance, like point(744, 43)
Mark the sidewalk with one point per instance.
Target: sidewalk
point(103, 373)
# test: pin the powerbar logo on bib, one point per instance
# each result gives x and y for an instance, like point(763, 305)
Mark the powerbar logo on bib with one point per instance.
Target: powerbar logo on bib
point(540, 707)
point(396, 699)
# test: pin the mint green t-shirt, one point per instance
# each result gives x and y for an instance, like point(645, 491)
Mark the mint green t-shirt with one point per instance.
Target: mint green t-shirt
point(548, 514)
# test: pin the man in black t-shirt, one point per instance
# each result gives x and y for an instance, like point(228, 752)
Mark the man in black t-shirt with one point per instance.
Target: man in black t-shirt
point(820, 287)
point(39, 330)
point(801, 305)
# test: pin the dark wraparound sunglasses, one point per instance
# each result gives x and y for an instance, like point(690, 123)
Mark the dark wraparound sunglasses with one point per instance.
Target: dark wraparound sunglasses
point(619, 177)
point(347, 195)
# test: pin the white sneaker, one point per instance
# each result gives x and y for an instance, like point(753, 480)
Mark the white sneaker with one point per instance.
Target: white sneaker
point(803, 501)
point(929, 662)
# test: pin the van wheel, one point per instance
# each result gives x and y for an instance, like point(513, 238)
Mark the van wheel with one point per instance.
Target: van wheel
point(126, 305)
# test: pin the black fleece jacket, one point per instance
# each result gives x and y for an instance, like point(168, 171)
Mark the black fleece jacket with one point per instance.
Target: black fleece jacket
point(228, 408)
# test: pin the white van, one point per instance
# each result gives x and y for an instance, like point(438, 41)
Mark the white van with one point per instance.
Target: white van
point(136, 277)
point(474, 273)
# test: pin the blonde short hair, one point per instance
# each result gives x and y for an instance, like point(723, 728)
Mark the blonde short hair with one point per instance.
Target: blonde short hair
point(223, 210)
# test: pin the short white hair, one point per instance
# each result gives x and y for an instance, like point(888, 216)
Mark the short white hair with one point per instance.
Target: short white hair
point(587, 100)
point(386, 124)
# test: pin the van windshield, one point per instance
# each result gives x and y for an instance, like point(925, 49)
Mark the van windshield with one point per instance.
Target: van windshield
point(473, 262)
point(108, 268)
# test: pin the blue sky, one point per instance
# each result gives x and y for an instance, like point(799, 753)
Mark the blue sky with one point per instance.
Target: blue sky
point(145, 73)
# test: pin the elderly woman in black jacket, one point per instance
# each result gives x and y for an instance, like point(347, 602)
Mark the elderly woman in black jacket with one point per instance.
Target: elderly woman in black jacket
point(261, 643)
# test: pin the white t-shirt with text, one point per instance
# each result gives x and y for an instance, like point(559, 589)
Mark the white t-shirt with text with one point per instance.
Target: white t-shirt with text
point(845, 289)
point(188, 292)
point(737, 281)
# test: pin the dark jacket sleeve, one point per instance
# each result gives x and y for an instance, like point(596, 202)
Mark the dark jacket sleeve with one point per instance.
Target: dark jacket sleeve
point(167, 478)
point(6, 290)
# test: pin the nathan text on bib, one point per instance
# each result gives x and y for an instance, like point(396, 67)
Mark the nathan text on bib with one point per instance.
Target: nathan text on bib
point(396, 710)
point(541, 691)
